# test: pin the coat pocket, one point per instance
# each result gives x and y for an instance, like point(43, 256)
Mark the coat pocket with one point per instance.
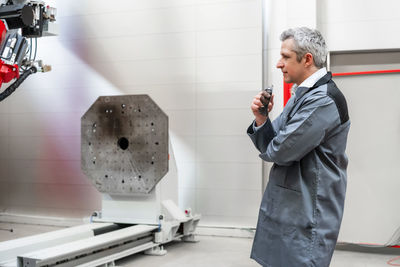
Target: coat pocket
point(293, 208)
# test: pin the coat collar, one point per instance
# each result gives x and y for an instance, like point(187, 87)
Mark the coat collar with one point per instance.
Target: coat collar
point(300, 91)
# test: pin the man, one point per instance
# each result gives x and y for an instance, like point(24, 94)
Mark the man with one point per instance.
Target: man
point(302, 207)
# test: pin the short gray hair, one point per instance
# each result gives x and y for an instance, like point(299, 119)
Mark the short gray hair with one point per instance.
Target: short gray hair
point(307, 40)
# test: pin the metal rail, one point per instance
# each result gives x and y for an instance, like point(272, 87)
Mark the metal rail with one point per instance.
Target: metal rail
point(89, 249)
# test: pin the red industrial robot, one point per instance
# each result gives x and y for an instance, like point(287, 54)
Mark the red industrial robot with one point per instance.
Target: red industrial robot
point(18, 22)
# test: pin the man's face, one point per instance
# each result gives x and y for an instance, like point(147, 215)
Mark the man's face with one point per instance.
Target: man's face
point(293, 71)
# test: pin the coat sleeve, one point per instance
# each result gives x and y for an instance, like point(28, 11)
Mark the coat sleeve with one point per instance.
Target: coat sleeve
point(263, 136)
point(304, 131)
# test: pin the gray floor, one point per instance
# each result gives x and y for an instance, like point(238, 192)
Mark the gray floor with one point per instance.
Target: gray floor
point(221, 252)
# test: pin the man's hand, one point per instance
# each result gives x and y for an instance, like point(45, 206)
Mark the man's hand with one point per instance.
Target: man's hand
point(258, 100)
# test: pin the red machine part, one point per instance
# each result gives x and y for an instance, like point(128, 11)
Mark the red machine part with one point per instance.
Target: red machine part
point(7, 72)
point(3, 31)
point(286, 92)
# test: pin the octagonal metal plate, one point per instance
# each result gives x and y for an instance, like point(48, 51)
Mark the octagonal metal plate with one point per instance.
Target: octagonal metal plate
point(124, 144)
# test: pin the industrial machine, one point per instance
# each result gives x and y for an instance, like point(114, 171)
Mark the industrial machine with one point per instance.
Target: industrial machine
point(126, 154)
point(20, 21)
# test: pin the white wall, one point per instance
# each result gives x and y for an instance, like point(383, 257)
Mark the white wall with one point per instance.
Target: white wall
point(373, 149)
point(359, 24)
point(199, 60)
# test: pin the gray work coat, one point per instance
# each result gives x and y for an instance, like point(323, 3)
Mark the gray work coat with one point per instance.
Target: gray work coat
point(302, 207)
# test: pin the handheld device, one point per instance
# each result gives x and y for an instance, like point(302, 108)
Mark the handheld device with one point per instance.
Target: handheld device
point(264, 109)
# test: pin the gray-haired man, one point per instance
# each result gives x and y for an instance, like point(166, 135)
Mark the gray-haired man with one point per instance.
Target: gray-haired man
point(302, 206)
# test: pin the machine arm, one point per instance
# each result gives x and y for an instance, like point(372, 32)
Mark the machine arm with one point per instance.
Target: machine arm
point(17, 23)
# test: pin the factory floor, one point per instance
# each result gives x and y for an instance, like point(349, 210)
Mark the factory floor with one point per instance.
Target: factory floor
point(220, 251)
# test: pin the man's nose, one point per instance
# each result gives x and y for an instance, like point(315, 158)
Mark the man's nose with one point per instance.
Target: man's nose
point(279, 65)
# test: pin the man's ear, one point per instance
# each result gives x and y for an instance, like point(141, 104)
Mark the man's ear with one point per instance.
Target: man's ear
point(309, 59)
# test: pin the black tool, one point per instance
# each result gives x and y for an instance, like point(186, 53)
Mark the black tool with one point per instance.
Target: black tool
point(265, 101)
